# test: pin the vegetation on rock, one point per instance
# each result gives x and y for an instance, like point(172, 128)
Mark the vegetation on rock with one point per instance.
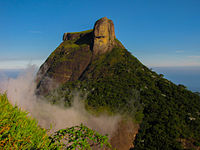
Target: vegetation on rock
point(80, 137)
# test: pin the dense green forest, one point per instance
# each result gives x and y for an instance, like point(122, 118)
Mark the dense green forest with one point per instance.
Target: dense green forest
point(116, 82)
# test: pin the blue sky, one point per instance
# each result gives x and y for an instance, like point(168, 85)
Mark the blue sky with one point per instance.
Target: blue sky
point(157, 32)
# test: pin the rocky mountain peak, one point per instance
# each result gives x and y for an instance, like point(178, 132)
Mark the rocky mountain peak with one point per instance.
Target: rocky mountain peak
point(103, 39)
point(104, 35)
point(74, 55)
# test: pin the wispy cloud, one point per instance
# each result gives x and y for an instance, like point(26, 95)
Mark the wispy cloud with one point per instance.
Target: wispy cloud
point(174, 64)
point(171, 60)
point(194, 56)
point(19, 64)
point(179, 51)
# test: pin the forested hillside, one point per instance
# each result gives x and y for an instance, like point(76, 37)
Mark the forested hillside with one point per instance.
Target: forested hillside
point(117, 82)
point(110, 79)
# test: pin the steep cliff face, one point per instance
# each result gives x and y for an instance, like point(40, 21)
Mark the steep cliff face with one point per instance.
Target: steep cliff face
point(104, 36)
point(76, 35)
point(66, 63)
point(72, 57)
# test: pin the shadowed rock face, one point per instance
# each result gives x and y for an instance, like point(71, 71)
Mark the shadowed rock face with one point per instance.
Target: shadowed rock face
point(104, 36)
point(70, 36)
point(73, 56)
point(75, 35)
point(67, 64)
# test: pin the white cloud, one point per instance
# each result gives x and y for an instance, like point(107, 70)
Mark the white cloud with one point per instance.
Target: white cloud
point(179, 51)
point(159, 60)
point(19, 64)
point(194, 56)
point(174, 64)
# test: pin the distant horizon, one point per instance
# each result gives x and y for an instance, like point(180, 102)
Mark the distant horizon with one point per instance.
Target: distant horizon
point(188, 76)
point(22, 64)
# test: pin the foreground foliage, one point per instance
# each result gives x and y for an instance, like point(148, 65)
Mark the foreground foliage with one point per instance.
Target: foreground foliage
point(80, 137)
point(17, 131)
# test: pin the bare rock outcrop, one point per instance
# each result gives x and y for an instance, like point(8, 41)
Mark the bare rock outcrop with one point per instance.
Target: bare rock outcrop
point(104, 36)
point(70, 36)
point(75, 35)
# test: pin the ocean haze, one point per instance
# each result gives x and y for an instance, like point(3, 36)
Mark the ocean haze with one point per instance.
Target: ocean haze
point(20, 90)
point(10, 73)
point(188, 76)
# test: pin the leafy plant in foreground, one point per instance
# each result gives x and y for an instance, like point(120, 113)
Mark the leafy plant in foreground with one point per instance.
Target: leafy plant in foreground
point(80, 137)
point(17, 131)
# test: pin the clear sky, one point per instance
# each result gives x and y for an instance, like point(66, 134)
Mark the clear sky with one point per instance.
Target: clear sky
point(157, 32)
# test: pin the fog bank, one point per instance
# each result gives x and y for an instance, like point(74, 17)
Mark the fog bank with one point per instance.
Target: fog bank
point(20, 91)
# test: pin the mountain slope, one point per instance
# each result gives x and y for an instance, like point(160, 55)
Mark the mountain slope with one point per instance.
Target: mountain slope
point(114, 81)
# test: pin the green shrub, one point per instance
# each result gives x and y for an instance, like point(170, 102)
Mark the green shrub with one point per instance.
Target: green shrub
point(17, 131)
point(80, 137)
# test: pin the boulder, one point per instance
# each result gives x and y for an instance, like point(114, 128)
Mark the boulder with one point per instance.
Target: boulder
point(104, 36)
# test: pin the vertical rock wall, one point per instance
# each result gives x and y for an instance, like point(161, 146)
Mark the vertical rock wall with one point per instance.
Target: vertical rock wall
point(104, 36)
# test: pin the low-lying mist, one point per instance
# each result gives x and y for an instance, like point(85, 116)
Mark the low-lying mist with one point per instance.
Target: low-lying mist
point(21, 91)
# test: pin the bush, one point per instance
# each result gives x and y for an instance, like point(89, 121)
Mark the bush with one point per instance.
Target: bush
point(17, 131)
point(80, 137)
